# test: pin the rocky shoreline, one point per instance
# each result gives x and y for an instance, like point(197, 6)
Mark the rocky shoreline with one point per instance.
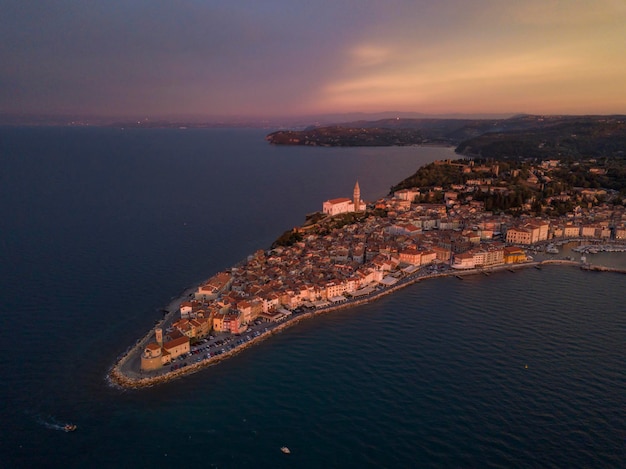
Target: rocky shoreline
point(117, 377)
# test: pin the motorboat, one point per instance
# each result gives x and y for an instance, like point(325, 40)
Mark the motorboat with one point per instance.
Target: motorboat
point(70, 427)
point(552, 249)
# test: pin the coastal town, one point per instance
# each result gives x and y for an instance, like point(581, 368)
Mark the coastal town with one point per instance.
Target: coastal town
point(352, 251)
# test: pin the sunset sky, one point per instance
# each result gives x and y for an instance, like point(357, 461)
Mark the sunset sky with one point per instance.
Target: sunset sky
point(287, 58)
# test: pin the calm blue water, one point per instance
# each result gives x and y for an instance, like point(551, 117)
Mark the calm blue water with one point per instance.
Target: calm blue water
point(100, 228)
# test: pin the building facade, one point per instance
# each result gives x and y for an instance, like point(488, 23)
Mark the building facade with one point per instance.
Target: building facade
point(344, 205)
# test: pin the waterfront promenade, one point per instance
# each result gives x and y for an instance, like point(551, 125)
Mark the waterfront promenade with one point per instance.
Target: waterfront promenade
point(126, 371)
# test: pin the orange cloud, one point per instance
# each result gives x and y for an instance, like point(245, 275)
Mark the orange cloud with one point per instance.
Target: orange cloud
point(511, 66)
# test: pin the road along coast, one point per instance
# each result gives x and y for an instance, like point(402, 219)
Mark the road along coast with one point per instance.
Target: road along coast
point(123, 373)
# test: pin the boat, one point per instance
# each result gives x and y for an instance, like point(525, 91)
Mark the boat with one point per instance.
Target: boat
point(285, 450)
point(70, 427)
point(552, 249)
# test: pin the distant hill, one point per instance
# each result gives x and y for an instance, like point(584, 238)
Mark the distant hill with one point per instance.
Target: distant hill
point(383, 132)
point(523, 136)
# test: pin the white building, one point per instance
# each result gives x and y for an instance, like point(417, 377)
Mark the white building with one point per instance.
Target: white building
point(337, 206)
point(344, 205)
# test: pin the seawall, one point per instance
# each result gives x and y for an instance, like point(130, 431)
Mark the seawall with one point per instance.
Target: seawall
point(117, 377)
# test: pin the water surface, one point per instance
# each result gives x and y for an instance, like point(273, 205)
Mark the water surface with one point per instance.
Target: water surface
point(100, 228)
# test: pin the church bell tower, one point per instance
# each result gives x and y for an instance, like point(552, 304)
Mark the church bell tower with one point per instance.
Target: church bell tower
point(357, 197)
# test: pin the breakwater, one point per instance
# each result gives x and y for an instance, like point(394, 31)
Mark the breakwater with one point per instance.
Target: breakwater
point(599, 268)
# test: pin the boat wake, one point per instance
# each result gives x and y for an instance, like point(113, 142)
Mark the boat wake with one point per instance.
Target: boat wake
point(52, 423)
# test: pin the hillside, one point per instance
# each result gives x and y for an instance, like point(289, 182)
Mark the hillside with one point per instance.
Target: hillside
point(567, 138)
point(522, 136)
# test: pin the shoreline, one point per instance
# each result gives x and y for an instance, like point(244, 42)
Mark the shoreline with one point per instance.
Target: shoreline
point(116, 377)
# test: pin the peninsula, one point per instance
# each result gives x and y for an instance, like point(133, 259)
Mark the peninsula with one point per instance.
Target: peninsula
point(456, 218)
point(523, 136)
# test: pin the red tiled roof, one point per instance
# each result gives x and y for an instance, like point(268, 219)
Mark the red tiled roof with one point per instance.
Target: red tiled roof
point(175, 342)
point(337, 201)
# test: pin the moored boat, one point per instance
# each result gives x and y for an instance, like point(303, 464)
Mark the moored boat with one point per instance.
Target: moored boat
point(552, 249)
point(285, 450)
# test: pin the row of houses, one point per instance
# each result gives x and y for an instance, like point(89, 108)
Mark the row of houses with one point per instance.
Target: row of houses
point(535, 231)
point(490, 255)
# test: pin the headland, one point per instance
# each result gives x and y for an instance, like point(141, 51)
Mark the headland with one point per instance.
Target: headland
point(452, 218)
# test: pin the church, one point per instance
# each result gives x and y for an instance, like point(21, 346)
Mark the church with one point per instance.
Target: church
point(344, 205)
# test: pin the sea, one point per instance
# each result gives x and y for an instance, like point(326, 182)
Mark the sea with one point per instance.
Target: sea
point(100, 228)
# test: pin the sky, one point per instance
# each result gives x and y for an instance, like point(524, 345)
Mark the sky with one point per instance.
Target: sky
point(289, 58)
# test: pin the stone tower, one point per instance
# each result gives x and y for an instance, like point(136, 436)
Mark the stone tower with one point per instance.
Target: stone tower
point(158, 332)
point(357, 197)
